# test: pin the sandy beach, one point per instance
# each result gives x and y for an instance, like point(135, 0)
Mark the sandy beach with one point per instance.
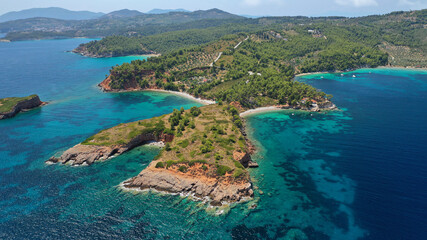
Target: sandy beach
point(186, 95)
point(259, 110)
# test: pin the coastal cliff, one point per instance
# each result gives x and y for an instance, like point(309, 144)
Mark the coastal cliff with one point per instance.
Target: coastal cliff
point(82, 154)
point(9, 107)
point(196, 181)
point(205, 153)
point(131, 85)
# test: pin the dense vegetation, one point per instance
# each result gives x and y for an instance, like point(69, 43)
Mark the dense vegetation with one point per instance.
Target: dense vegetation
point(204, 140)
point(113, 46)
point(140, 25)
point(259, 71)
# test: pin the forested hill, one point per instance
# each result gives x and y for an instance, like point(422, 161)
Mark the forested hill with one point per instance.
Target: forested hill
point(253, 63)
point(250, 70)
point(402, 35)
point(124, 22)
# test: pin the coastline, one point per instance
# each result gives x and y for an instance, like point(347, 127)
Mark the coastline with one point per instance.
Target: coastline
point(183, 94)
point(403, 68)
point(185, 194)
point(104, 84)
point(283, 108)
point(352, 70)
point(96, 56)
point(260, 110)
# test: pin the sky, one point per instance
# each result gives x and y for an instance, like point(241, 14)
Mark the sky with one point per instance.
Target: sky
point(348, 8)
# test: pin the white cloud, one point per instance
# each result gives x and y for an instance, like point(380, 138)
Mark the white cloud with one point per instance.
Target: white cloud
point(357, 3)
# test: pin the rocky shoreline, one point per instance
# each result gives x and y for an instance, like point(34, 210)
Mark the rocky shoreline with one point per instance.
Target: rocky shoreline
point(21, 106)
point(219, 192)
point(202, 179)
point(82, 154)
point(82, 50)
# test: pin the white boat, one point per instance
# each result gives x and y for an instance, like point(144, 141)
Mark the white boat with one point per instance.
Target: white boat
point(354, 76)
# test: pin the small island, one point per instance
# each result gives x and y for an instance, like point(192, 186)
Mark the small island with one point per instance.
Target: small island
point(205, 153)
point(11, 106)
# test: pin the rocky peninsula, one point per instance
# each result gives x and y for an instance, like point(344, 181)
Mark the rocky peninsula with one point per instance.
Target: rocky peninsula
point(206, 153)
point(87, 51)
point(9, 107)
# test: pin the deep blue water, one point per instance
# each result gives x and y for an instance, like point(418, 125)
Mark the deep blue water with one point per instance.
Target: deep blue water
point(382, 148)
point(356, 173)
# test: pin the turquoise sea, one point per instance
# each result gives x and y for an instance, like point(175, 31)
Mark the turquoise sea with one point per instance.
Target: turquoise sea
point(359, 173)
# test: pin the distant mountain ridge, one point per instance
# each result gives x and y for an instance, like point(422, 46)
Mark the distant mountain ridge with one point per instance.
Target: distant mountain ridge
point(117, 22)
point(162, 11)
point(123, 13)
point(51, 12)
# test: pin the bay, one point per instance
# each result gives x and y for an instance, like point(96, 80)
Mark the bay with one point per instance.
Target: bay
point(358, 173)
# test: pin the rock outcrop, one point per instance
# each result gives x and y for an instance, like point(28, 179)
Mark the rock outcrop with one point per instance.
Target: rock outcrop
point(88, 154)
point(327, 105)
point(131, 85)
point(27, 104)
point(244, 158)
point(219, 192)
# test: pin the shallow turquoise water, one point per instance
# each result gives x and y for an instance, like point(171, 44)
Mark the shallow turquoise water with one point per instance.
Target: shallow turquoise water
point(321, 176)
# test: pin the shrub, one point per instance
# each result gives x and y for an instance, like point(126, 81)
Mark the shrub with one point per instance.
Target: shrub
point(179, 133)
point(238, 123)
point(233, 111)
point(238, 165)
point(204, 167)
point(168, 147)
point(206, 147)
point(160, 165)
point(169, 131)
point(87, 141)
point(195, 111)
point(182, 168)
point(184, 143)
point(199, 161)
point(238, 172)
point(222, 170)
point(169, 163)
